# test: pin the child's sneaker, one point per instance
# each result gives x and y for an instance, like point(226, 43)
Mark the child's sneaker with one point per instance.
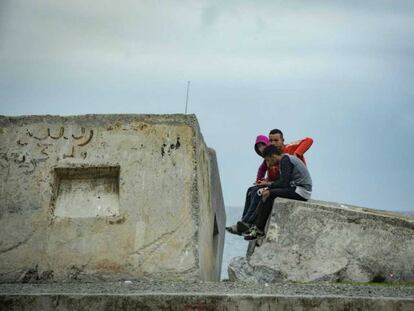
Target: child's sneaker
point(233, 230)
point(253, 234)
point(243, 227)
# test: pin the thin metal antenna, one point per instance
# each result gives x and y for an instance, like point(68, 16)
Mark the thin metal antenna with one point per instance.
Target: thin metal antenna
point(186, 101)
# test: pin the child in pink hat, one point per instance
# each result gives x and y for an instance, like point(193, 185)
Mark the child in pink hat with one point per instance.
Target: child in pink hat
point(261, 142)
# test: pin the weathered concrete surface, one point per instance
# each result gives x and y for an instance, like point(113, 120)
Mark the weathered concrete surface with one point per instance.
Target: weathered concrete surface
point(108, 197)
point(226, 296)
point(219, 211)
point(322, 241)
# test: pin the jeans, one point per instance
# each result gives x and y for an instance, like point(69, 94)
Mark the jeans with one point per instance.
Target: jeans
point(247, 201)
point(251, 213)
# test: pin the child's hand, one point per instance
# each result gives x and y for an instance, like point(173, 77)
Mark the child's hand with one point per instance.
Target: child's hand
point(261, 183)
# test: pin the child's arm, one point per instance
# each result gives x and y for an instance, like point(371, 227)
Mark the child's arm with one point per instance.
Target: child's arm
point(261, 173)
point(298, 148)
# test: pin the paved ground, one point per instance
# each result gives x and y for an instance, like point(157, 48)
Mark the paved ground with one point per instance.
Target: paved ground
point(211, 288)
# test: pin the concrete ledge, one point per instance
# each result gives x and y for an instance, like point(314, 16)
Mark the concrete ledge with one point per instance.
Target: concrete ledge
point(159, 301)
point(136, 295)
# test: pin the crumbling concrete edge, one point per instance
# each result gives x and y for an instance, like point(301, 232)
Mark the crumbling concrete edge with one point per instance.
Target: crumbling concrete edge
point(195, 200)
point(351, 211)
point(218, 207)
point(168, 119)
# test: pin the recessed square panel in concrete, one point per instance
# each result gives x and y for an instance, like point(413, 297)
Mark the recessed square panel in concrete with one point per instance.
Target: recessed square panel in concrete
point(87, 192)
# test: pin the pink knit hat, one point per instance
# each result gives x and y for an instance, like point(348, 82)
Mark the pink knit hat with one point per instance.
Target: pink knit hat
point(261, 139)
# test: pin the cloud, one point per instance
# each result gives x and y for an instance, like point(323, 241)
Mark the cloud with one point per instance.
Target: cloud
point(209, 15)
point(268, 40)
point(51, 29)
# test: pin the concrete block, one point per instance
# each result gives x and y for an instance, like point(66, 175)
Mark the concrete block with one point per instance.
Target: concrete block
point(325, 241)
point(104, 197)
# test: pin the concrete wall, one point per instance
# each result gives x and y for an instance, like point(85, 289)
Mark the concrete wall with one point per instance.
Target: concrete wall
point(107, 197)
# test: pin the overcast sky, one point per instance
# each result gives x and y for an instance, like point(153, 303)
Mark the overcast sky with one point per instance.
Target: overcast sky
point(341, 72)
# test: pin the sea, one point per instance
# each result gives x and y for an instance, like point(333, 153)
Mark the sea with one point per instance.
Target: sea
point(235, 245)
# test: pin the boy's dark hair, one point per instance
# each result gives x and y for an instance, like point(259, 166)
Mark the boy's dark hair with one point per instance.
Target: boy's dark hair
point(271, 150)
point(276, 131)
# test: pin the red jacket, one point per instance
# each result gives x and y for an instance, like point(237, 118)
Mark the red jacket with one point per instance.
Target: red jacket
point(297, 148)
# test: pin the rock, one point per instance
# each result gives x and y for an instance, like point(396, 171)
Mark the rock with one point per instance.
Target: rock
point(240, 269)
point(34, 275)
point(323, 241)
point(29, 275)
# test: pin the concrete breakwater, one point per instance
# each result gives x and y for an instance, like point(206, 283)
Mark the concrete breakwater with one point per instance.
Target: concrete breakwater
point(106, 197)
point(223, 296)
point(327, 241)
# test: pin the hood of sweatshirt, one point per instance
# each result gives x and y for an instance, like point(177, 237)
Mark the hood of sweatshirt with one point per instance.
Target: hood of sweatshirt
point(261, 139)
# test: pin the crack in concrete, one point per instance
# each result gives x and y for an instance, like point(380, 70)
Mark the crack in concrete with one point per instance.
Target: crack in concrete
point(157, 244)
point(157, 241)
point(16, 245)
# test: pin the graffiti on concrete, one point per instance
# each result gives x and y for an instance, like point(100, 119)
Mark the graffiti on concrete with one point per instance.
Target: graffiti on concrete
point(32, 148)
point(170, 148)
point(20, 160)
point(71, 155)
point(61, 135)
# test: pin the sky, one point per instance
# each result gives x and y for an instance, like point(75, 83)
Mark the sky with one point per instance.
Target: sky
point(340, 72)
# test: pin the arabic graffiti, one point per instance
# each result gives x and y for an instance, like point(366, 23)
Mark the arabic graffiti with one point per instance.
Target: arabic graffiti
point(61, 135)
point(33, 148)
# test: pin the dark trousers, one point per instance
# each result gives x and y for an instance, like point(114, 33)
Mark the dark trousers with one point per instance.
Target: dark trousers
point(247, 202)
point(265, 208)
point(251, 214)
